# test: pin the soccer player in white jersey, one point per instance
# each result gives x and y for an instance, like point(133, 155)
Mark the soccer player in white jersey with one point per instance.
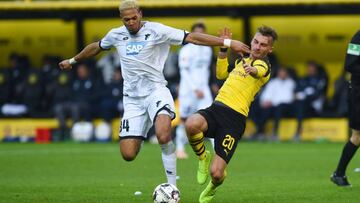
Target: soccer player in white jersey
point(143, 48)
point(194, 90)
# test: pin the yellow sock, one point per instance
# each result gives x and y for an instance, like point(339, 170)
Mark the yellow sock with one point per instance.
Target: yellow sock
point(197, 144)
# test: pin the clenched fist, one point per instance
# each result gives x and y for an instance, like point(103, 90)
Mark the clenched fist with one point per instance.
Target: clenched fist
point(65, 65)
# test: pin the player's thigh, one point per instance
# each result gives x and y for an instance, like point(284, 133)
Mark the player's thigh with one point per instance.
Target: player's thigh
point(160, 100)
point(163, 127)
point(130, 147)
point(133, 131)
point(196, 123)
point(203, 121)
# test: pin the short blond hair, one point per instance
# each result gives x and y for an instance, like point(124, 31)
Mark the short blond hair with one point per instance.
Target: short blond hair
point(128, 4)
point(268, 31)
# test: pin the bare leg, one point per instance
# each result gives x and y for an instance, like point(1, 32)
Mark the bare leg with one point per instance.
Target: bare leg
point(218, 175)
point(129, 148)
point(163, 128)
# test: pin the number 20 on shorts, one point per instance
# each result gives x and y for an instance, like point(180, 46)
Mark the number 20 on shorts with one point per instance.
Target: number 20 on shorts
point(228, 142)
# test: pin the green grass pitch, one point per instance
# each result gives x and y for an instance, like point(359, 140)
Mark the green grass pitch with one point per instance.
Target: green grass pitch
point(258, 172)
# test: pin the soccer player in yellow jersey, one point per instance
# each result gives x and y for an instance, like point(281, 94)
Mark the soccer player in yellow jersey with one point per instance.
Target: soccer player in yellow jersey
point(225, 119)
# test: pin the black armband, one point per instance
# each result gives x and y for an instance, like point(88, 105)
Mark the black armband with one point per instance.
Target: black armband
point(222, 49)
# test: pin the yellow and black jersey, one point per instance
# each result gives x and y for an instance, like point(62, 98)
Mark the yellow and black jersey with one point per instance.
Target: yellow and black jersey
point(240, 88)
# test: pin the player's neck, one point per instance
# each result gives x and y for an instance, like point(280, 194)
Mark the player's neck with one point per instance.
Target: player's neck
point(255, 58)
point(142, 23)
point(252, 57)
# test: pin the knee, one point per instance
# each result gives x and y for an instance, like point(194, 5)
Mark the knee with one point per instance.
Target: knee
point(128, 156)
point(217, 174)
point(163, 134)
point(163, 129)
point(192, 125)
point(163, 138)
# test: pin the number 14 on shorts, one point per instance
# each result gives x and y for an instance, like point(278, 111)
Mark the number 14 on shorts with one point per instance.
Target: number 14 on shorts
point(124, 125)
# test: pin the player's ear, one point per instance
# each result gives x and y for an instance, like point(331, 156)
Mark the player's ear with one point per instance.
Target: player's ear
point(271, 49)
point(140, 14)
point(271, 46)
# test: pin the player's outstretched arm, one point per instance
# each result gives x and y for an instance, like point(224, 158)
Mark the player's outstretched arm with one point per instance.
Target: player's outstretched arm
point(222, 63)
point(209, 40)
point(225, 33)
point(89, 51)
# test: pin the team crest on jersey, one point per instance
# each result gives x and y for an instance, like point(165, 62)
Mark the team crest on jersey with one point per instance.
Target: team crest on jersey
point(134, 48)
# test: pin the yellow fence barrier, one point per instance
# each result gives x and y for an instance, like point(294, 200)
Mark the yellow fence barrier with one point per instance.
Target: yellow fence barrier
point(316, 129)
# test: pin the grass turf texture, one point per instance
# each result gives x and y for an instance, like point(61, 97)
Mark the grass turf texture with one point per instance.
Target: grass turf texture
point(258, 172)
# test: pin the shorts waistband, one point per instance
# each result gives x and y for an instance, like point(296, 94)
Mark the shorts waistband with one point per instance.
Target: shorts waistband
point(218, 103)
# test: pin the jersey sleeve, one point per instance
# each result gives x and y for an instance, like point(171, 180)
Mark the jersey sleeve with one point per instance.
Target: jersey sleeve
point(222, 68)
point(352, 60)
point(262, 68)
point(108, 41)
point(172, 35)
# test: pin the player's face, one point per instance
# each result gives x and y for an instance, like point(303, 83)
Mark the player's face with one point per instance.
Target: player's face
point(261, 46)
point(132, 20)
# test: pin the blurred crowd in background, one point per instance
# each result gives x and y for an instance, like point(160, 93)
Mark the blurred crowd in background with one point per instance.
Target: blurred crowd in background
point(93, 89)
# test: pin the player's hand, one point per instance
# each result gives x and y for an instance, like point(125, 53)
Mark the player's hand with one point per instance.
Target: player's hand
point(199, 94)
point(225, 33)
point(235, 45)
point(239, 47)
point(65, 65)
point(215, 88)
point(250, 69)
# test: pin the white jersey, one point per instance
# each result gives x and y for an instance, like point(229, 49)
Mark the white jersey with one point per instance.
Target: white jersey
point(278, 91)
point(194, 64)
point(143, 55)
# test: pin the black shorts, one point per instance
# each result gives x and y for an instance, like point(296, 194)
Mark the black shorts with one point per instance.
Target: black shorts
point(226, 126)
point(354, 104)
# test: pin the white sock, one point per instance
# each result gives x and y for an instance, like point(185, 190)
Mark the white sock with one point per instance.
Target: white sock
point(169, 161)
point(212, 142)
point(181, 138)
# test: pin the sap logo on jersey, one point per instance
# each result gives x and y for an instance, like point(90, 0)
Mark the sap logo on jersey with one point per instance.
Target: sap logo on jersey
point(134, 48)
